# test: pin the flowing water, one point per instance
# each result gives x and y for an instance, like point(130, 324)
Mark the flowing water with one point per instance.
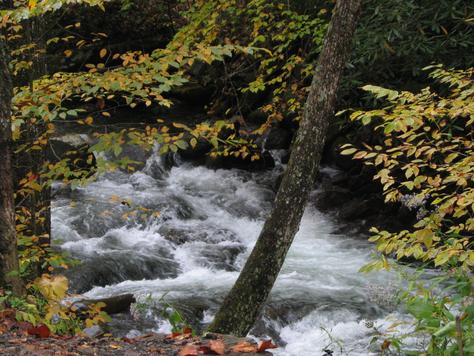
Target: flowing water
point(192, 252)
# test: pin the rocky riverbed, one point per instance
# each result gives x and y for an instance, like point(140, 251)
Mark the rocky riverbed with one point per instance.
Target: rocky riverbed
point(184, 234)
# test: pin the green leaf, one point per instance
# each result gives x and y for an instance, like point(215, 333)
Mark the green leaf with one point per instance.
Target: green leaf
point(348, 151)
point(441, 258)
point(421, 309)
point(445, 330)
point(181, 144)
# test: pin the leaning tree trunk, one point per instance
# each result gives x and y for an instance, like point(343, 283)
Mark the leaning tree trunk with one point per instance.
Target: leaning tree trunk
point(8, 246)
point(244, 302)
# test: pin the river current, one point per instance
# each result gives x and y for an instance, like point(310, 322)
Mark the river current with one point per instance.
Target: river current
point(185, 232)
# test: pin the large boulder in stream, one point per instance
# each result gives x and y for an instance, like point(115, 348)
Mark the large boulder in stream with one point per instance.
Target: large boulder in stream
point(117, 266)
point(113, 305)
point(278, 138)
point(74, 148)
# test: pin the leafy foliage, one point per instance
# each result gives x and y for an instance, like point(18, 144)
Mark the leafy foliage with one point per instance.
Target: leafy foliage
point(443, 315)
point(397, 38)
point(263, 52)
point(44, 305)
point(425, 161)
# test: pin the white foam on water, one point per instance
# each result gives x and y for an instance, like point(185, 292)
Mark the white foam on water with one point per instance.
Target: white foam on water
point(340, 332)
point(131, 239)
point(201, 282)
point(228, 211)
point(343, 333)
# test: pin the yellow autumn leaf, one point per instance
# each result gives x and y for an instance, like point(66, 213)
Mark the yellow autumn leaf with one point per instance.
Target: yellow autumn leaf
point(52, 287)
point(68, 53)
point(103, 53)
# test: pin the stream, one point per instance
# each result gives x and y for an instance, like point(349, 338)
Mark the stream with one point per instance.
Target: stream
point(183, 234)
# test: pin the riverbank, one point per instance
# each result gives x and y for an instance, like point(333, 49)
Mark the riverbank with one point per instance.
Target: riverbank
point(20, 343)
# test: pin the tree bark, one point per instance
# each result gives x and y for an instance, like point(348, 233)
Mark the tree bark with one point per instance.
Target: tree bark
point(37, 203)
point(9, 266)
point(243, 304)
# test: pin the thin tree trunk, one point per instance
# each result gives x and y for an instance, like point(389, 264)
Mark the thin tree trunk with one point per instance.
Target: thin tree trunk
point(38, 203)
point(9, 267)
point(243, 304)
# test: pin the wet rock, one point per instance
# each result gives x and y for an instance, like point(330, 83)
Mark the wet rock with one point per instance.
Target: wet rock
point(285, 158)
point(71, 140)
point(113, 305)
point(193, 93)
point(135, 153)
point(332, 155)
point(155, 170)
point(183, 235)
point(149, 310)
point(133, 333)
point(125, 325)
point(355, 209)
point(265, 162)
point(278, 139)
point(74, 147)
point(257, 117)
point(198, 68)
point(184, 210)
point(177, 236)
point(94, 331)
point(331, 199)
point(222, 257)
point(340, 179)
point(170, 160)
point(117, 266)
point(197, 153)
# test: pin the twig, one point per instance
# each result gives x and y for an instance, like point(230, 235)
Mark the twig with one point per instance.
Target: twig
point(459, 335)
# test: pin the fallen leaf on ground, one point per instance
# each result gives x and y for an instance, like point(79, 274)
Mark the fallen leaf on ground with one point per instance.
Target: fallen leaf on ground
point(205, 349)
point(41, 331)
point(3, 329)
point(7, 314)
point(217, 346)
point(189, 350)
point(244, 346)
point(17, 341)
point(173, 335)
point(23, 325)
point(187, 331)
point(265, 345)
point(30, 347)
point(183, 337)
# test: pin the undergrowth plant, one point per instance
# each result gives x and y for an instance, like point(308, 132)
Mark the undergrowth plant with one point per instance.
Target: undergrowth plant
point(44, 304)
point(424, 159)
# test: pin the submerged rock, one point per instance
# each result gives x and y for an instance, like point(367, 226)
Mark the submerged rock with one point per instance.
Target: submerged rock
point(113, 305)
